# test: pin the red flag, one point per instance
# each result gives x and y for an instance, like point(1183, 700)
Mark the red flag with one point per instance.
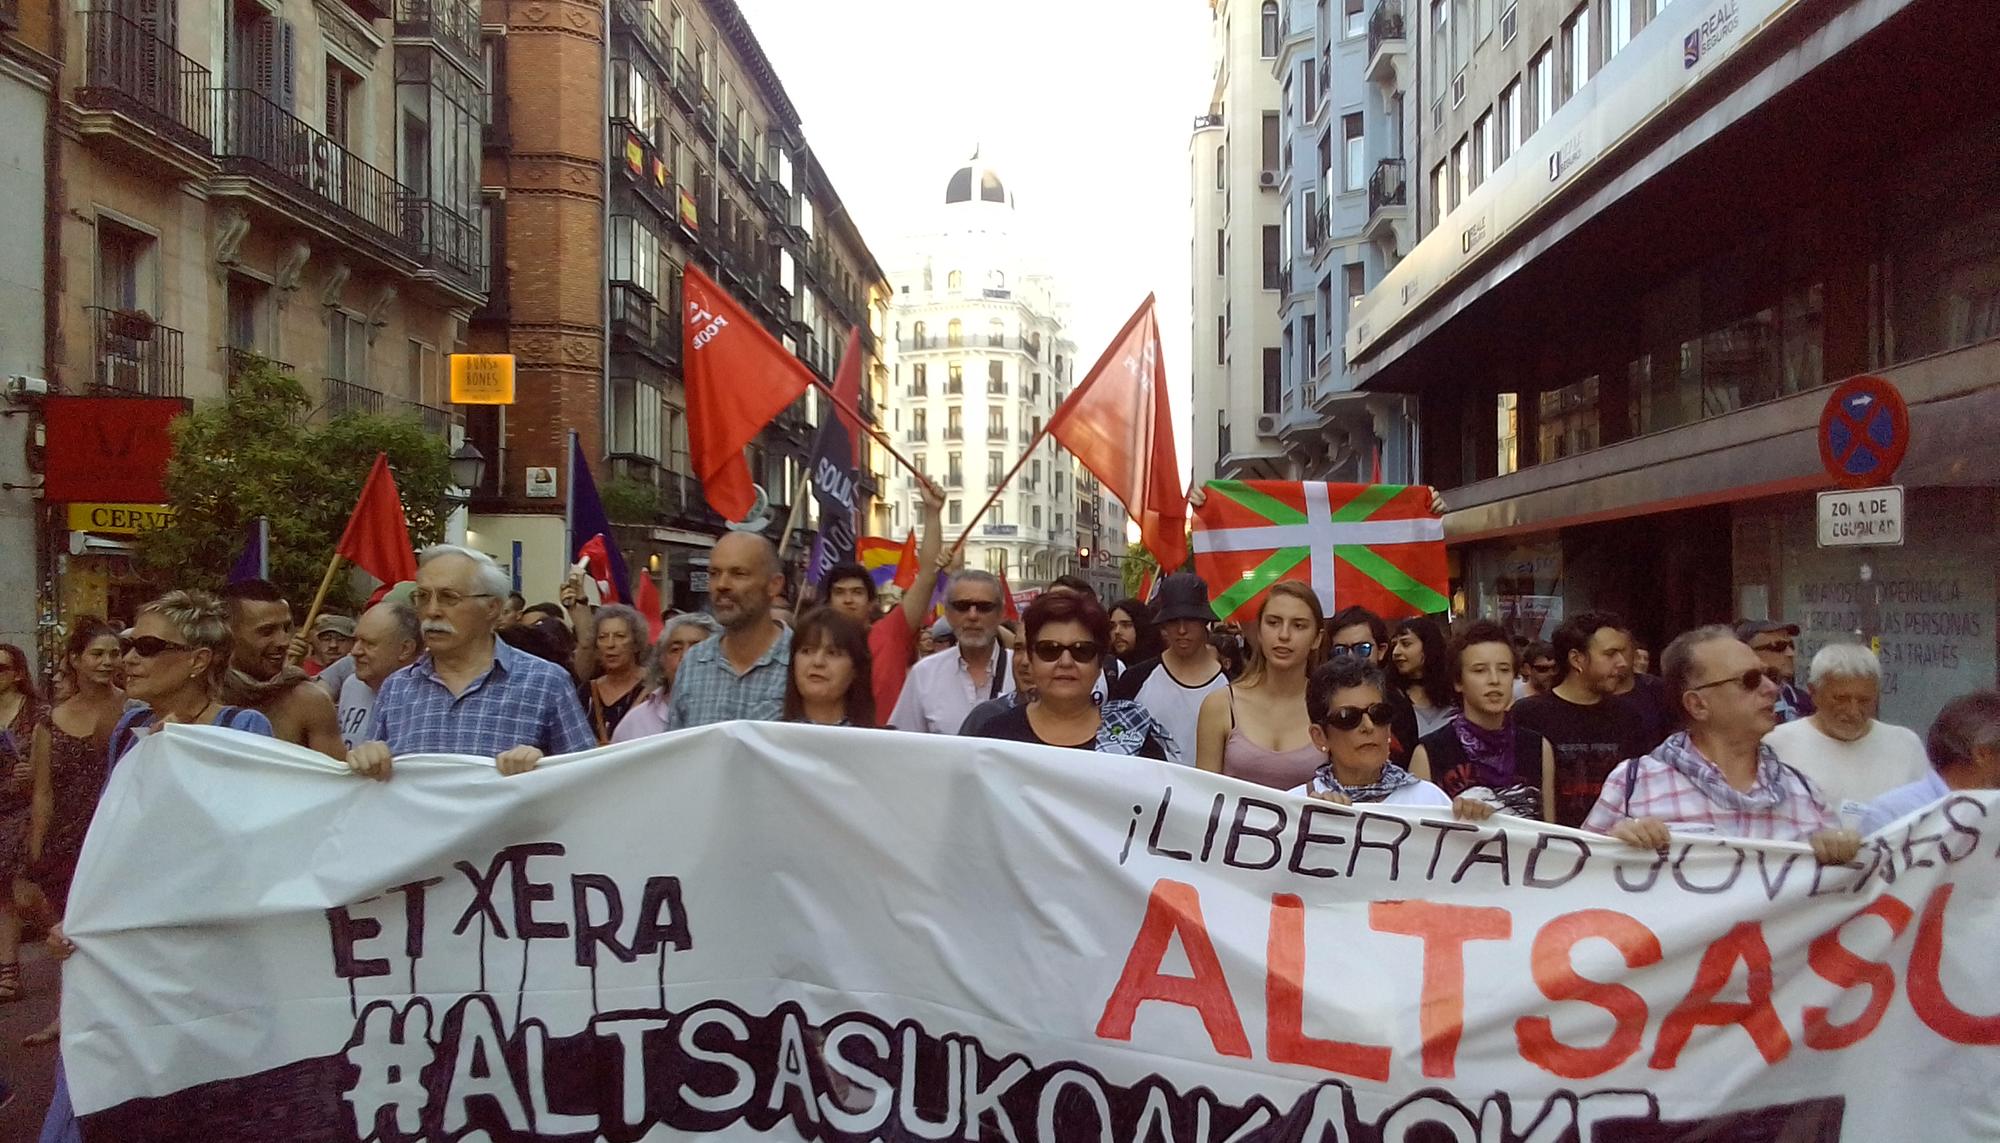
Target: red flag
point(377, 539)
point(648, 603)
point(1147, 584)
point(847, 393)
point(1377, 545)
point(1008, 608)
point(906, 567)
point(739, 378)
point(597, 562)
point(1118, 424)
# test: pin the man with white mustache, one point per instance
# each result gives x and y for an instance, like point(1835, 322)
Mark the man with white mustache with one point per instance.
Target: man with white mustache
point(470, 693)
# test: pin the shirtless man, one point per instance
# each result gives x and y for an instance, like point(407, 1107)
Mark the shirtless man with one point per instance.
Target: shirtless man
point(260, 626)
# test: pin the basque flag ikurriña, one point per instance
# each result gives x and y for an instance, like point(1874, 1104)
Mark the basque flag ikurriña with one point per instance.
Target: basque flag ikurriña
point(1376, 545)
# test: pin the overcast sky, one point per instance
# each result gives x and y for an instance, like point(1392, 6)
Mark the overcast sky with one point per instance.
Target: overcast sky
point(1084, 106)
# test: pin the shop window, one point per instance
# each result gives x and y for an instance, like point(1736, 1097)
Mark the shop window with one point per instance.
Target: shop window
point(1567, 421)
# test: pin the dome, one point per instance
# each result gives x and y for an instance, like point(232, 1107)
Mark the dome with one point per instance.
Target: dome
point(977, 178)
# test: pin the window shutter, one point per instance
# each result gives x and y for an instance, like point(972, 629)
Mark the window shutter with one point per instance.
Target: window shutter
point(264, 58)
point(287, 95)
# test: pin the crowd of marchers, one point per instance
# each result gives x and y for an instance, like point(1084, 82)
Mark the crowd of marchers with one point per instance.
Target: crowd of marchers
point(1725, 739)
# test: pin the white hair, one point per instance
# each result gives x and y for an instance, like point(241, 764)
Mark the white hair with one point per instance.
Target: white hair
point(1843, 661)
point(493, 579)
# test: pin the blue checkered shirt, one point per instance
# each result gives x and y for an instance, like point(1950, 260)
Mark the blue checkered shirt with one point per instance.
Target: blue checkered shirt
point(708, 690)
point(520, 701)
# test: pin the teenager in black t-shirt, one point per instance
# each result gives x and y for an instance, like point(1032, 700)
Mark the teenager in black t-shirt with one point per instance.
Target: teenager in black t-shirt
point(1591, 729)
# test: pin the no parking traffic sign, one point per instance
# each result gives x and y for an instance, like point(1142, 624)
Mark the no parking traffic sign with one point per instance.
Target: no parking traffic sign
point(1863, 432)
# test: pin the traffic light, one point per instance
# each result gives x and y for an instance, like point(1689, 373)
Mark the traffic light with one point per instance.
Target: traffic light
point(1083, 554)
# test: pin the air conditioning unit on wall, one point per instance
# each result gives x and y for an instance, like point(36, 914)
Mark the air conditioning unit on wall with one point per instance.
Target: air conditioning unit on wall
point(1267, 425)
point(1268, 180)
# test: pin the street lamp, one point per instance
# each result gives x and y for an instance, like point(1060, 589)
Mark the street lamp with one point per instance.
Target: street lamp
point(468, 466)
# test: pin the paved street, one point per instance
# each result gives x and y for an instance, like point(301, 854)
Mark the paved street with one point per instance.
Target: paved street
point(30, 1070)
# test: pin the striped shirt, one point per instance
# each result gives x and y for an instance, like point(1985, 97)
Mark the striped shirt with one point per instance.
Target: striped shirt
point(520, 701)
point(708, 689)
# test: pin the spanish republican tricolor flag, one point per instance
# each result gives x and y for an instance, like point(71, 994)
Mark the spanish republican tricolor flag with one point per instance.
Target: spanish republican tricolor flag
point(1376, 545)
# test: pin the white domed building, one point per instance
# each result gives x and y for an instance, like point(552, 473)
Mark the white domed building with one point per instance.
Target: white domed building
point(979, 357)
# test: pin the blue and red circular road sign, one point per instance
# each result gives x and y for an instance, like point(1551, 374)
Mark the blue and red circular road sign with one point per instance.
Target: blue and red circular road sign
point(1863, 432)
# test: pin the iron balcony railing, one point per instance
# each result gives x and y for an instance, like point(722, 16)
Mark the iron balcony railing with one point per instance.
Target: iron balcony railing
point(451, 24)
point(1384, 24)
point(237, 361)
point(135, 354)
point(436, 421)
point(1386, 187)
point(260, 139)
point(639, 323)
point(1201, 121)
point(344, 397)
point(127, 68)
point(996, 386)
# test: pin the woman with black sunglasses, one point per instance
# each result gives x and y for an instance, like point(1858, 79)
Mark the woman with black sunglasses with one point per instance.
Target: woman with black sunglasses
point(1067, 638)
point(1350, 723)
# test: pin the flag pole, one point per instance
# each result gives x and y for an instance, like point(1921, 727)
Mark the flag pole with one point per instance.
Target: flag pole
point(1033, 444)
point(874, 432)
point(319, 600)
point(792, 517)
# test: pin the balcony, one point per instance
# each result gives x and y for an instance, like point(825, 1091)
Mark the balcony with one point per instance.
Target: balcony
point(642, 326)
point(293, 168)
point(996, 432)
point(1000, 530)
point(687, 84)
point(342, 398)
point(237, 361)
point(920, 388)
point(954, 387)
point(914, 436)
point(1202, 122)
point(1387, 48)
point(436, 421)
point(637, 18)
point(726, 147)
point(1388, 205)
point(140, 95)
point(134, 354)
point(451, 25)
point(954, 432)
point(996, 387)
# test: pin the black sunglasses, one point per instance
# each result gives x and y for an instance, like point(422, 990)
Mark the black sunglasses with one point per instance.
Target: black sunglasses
point(1358, 650)
point(1780, 646)
point(150, 645)
point(1749, 680)
point(982, 606)
point(1048, 650)
point(1349, 717)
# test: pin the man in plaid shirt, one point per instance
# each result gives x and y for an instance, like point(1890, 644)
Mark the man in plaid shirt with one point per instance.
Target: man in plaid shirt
point(1717, 776)
point(741, 672)
point(470, 693)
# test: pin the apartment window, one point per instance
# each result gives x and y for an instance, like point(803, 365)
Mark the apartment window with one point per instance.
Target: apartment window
point(259, 51)
point(1438, 184)
point(996, 377)
point(1353, 147)
point(954, 512)
point(247, 297)
point(1542, 78)
point(954, 379)
point(1461, 170)
point(123, 281)
point(1274, 253)
point(1507, 134)
point(1309, 89)
point(1274, 379)
point(635, 418)
point(954, 332)
point(995, 469)
point(1268, 28)
point(954, 467)
point(1221, 340)
point(919, 378)
point(1221, 252)
point(1035, 516)
point(342, 88)
point(1311, 328)
point(1482, 148)
point(1270, 142)
point(1440, 47)
point(1576, 52)
point(1356, 23)
point(1617, 26)
point(347, 348)
point(920, 428)
point(1353, 278)
point(1222, 168)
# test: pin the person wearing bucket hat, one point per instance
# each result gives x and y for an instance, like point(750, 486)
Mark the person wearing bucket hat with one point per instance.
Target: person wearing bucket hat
point(1173, 685)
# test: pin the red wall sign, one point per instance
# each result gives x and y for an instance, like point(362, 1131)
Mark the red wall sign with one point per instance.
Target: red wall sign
point(111, 449)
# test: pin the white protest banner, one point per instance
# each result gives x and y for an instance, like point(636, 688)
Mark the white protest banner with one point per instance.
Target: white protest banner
point(795, 932)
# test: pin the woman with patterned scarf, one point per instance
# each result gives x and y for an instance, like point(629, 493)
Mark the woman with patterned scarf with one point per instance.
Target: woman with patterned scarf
point(1480, 756)
point(1350, 722)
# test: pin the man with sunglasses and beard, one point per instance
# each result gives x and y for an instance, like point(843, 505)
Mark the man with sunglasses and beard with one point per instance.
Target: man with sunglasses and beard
point(1718, 777)
point(942, 689)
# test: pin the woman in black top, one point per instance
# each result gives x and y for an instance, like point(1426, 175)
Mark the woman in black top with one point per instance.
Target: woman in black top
point(830, 682)
point(1480, 755)
point(623, 642)
point(1068, 636)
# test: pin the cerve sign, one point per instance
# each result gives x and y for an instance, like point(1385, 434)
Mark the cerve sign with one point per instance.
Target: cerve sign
point(1863, 517)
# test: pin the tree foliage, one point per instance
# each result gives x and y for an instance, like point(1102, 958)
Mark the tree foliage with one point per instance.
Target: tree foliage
point(255, 455)
point(1138, 561)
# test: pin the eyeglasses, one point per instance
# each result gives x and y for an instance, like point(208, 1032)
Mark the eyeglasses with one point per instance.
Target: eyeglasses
point(423, 597)
point(1048, 650)
point(147, 646)
point(1779, 647)
point(980, 606)
point(1749, 680)
point(1349, 717)
point(1358, 650)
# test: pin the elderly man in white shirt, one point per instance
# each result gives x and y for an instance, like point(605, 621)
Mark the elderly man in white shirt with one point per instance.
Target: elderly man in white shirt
point(1850, 756)
point(943, 688)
